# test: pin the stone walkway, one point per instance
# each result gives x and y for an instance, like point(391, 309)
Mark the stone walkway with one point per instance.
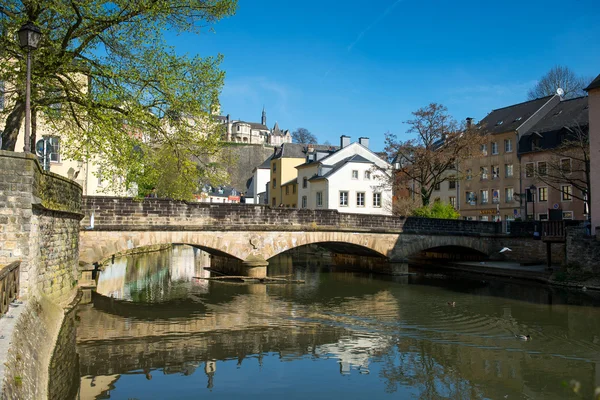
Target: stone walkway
point(503, 265)
point(7, 326)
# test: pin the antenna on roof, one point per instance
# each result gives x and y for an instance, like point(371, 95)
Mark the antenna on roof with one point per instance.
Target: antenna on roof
point(560, 92)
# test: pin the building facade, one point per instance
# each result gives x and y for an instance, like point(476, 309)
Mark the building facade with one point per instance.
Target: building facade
point(239, 131)
point(491, 186)
point(593, 91)
point(553, 169)
point(351, 179)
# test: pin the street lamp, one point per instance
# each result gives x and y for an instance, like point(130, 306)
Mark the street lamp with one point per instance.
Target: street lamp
point(532, 190)
point(29, 38)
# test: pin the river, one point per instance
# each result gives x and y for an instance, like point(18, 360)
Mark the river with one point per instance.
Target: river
point(154, 331)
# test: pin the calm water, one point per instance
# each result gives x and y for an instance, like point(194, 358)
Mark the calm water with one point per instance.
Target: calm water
point(154, 332)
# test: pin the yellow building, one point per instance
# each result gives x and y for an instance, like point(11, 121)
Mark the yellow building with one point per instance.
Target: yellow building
point(283, 188)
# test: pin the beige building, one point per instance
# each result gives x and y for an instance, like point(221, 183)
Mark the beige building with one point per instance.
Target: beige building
point(254, 132)
point(594, 128)
point(555, 178)
point(491, 186)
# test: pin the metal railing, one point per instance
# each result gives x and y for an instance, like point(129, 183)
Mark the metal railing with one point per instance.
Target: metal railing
point(553, 229)
point(9, 285)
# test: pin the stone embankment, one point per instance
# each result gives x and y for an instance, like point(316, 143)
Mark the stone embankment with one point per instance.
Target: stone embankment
point(39, 227)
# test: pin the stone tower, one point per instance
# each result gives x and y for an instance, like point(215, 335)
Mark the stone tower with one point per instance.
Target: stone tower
point(263, 119)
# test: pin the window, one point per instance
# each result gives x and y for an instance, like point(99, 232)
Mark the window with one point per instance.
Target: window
point(304, 201)
point(54, 143)
point(529, 170)
point(453, 201)
point(99, 176)
point(354, 174)
point(294, 190)
point(543, 217)
point(567, 192)
point(484, 149)
point(484, 218)
point(495, 196)
point(305, 182)
point(360, 199)
point(344, 199)
point(1, 95)
point(494, 148)
point(509, 194)
point(452, 183)
point(483, 195)
point(495, 171)
point(367, 175)
point(508, 145)
point(567, 215)
point(509, 220)
point(274, 167)
point(543, 194)
point(238, 128)
point(319, 199)
point(484, 172)
point(437, 186)
point(274, 202)
point(274, 183)
point(470, 197)
point(535, 143)
point(565, 165)
point(542, 168)
point(508, 170)
point(469, 174)
point(376, 199)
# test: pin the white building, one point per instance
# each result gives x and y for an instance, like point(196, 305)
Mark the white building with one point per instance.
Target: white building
point(349, 180)
point(261, 175)
point(253, 132)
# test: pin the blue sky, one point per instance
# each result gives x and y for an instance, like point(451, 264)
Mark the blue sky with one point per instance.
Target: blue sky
point(359, 68)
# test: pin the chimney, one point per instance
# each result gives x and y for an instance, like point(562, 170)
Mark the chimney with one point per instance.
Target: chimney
point(344, 141)
point(469, 122)
point(364, 141)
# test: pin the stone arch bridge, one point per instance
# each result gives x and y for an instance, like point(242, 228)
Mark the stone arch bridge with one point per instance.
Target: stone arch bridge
point(253, 234)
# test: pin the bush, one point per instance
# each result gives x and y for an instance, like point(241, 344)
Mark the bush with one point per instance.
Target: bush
point(437, 210)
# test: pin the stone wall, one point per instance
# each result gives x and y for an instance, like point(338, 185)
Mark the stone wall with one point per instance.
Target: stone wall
point(40, 214)
point(241, 161)
point(126, 214)
point(528, 250)
point(583, 252)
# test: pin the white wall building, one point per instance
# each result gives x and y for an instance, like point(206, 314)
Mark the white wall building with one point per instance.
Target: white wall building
point(260, 180)
point(348, 180)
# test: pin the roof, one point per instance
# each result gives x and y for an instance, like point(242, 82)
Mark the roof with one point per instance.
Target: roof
point(266, 164)
point(567, 114)
point(509, 118)
point(298, 150)
point(256, 125)
point(337, 166)
point(293, 181)
point(594, 85)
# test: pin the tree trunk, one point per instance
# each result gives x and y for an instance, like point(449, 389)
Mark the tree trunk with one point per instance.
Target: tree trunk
point(13, 126)
point(425, 196)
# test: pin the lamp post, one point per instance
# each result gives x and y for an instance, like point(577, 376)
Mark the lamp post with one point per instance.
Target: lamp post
point(532, 190)
point(29, 38)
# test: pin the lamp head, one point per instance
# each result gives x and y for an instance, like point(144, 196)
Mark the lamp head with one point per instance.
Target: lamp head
point(30, 36)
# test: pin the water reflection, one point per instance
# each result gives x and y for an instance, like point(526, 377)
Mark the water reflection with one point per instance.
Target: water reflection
point(153, 331)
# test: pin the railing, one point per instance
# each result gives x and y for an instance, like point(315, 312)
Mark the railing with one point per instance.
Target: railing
point(9, 285)
point(553, 229)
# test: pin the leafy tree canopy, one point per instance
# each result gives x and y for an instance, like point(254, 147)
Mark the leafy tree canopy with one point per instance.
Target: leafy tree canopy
point(107, 81)
point(437, 210)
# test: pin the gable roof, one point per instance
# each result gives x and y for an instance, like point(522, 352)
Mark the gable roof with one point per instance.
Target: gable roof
point(297, 150)
point(510, 118)
point(355, 158)
point(594, 85)
point(566, 115)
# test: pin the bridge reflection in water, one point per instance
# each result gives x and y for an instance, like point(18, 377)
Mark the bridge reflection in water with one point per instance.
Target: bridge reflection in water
point(387, 335)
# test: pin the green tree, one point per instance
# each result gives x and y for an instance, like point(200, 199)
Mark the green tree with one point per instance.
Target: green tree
point(105, 78)
point(437, 210)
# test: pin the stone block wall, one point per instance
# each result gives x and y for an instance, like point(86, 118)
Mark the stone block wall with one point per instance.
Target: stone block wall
point(528, 250)
point(39, 224)
point(583, 252)
point(122, 214)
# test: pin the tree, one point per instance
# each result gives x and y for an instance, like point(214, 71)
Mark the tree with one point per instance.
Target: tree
point(568, 164)
point(437, 210)
point(303, 135)
point(559, 77)
point(105, 79)
point(424, 162)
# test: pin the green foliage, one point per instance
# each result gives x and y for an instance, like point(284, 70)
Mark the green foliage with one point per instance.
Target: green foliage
point(437, 210)
point(118, 94)
point(18, 381)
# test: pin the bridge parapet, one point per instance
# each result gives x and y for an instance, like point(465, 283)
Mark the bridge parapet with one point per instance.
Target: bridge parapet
point(127, 214)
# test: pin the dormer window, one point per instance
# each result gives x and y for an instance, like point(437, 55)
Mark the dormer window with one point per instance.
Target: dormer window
point(518, 119)
point(499, 123)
